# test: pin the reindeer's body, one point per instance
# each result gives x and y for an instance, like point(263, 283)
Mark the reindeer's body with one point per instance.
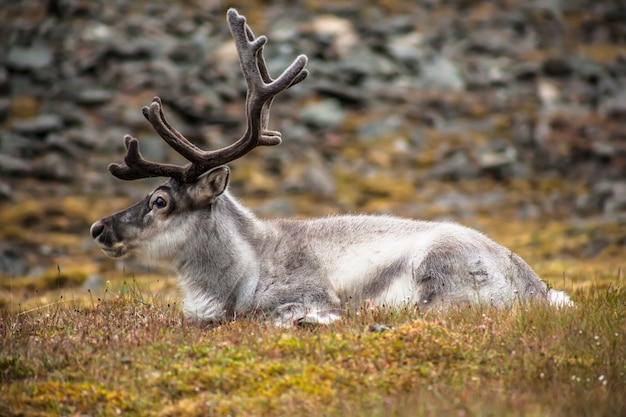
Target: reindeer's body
point(229, 262)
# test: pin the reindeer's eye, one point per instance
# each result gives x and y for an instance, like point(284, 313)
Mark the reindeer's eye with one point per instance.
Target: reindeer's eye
point(159, 203)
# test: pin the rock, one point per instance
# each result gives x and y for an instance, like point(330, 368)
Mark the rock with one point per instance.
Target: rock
point(595, 245)
point(525, 71)
point(320, 182)
point(5, 109)
point(339, 31)
point(594, 200)
point(138, 48)
point(379, 328)
point(490, 42)
point(490, 72)
point(346, 94)
point(326, 114)
point(587, 69)
point(549, 94)
point(73, 115)
point(615, 107)
point(97, 33)
point(529, 211)
point(11, 262)
point(54, 167)
point(37, 57)
point(616, 202)
point(109, 142)
point(165, 74)
point(408, 47)
point(56, 142)
point(13, 166)
point(361, 62)
point(93, 96)
point(495, 156)
point(374, 129)
point(440, 73)
point(187, 52)
point(154, 148)
point(39, 125)
point(6, 193)
point(295, 134)
point(19, 146)
point(456, 166)
point(4, 79)
point(557, 67)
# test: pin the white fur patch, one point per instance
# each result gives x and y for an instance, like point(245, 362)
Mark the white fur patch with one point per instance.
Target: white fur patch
point(202, 306)
point(166, 244)
point(559, 299)
point(401, 290)
point(312, 316)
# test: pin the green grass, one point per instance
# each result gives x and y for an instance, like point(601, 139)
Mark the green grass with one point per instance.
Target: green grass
point(131, 352)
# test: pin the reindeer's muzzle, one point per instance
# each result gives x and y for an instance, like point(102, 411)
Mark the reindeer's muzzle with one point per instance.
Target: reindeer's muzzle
point(106, 239)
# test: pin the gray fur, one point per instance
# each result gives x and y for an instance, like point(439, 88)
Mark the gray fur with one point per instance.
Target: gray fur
point(230, 263)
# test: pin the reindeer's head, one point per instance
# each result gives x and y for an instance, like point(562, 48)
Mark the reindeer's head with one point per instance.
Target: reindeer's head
point(159, 225)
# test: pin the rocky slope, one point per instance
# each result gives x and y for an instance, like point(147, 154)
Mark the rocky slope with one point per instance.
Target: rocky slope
point(452, 108)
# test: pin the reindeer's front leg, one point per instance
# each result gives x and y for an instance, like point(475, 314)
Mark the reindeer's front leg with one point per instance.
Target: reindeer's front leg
point(299, 314)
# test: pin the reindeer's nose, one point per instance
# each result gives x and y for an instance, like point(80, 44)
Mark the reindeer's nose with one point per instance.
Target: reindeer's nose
point(96, 229)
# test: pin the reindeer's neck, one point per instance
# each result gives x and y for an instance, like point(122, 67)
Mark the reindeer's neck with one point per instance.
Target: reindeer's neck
point(218, 270)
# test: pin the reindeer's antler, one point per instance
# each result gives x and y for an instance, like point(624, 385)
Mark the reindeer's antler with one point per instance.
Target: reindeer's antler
point(261, 92)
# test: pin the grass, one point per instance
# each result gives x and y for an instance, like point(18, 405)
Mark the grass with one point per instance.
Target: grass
point(131, 352)
point(126, 349)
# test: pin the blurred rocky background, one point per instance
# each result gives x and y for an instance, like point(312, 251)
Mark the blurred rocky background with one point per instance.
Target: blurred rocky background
point(465, 110)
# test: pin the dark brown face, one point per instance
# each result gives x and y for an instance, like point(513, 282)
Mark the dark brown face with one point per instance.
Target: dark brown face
point(158, 226)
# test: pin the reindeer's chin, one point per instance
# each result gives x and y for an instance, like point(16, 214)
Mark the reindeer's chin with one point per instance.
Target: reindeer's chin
point(118, 252)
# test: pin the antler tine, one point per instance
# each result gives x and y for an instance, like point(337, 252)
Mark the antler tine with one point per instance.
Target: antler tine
point(261, 87)
point(172, 137)
point(136, 167)
point(267, 79)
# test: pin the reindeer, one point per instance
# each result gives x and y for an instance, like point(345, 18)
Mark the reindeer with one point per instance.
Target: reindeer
point(231, 263)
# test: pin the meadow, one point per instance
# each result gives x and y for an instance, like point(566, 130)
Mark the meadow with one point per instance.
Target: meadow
point(126, 349)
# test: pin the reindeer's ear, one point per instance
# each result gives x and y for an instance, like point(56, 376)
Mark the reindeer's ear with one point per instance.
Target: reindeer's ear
point(211, 185)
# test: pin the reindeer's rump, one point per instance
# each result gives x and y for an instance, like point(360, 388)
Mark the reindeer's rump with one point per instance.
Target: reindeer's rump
point(462, 273)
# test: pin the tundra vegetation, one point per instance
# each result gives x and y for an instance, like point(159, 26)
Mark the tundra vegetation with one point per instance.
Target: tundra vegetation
point(87, 336)
point(129, 350)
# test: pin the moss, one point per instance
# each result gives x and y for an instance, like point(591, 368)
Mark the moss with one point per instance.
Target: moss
point(14, 233)
point(15, 367)
point(601, 52)
point(134, 355)
point(20, 216)
point(24, 107)
point(63, 279)
point(51, 280)
point(388, 186)
point(66, 215)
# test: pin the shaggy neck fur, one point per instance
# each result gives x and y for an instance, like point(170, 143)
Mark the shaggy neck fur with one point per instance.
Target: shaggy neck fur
point(218, 270)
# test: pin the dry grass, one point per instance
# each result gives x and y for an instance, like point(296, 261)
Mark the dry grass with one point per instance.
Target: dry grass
point(131, 352)
point(126, 349)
